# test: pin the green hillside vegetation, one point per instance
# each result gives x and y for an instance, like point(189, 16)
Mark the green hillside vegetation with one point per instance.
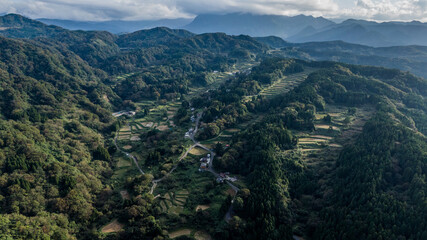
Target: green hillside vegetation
point(319, 150)
point(53, 154)
point(346, 201)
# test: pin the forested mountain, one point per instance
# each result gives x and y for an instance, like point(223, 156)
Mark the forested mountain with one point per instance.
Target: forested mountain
point(56, 102)
point(152, 37)
point(53, 121)
point(117, 26)
point(255, 25)
point(13, 25)
point(377, 182)
point(309, 29)
point(405, 58)
point(62, 176)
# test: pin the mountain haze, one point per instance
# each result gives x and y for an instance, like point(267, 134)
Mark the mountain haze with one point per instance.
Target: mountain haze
point(368, 33)
point(255, 25)
point(117, 26)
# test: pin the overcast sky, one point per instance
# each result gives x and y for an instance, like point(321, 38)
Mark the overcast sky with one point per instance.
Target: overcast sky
point(97, 10)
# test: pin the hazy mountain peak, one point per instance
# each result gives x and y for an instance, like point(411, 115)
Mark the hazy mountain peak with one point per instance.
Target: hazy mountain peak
point(255, 25)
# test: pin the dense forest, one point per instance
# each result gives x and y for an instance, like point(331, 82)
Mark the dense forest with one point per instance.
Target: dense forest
point(59, 88)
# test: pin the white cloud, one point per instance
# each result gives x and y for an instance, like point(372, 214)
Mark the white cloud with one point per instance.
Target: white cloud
point(157, 9)
point(384, 10)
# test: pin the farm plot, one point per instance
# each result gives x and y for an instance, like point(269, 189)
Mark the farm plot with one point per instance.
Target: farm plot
point(173, 202)
point(285, 84)
point(114, 226)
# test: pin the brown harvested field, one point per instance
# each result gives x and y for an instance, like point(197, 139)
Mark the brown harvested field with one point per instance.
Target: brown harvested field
point(168, 203)
point(135, 138)
point(321, 136)
point(163, 127)
point(202, 235)
point(179, 233)
point(147, 124)
point(114, 226)
point(179, 203)
point(324, 126)
point(124, 137)
point(198, 151)
point(306, 142)
point(231, 192)
point(123, 163)
point(202, 207)
point(171, 123)
point(163, 206)
point(167, 196)
point(226, 136)
point(310, 150)
point(127, 147)
point(311, 140)
point(233, 130)
point(181, 199)
point(125, 129)
point(125, 194)
point(335, 145)
point(182, 192)
point(319, 116)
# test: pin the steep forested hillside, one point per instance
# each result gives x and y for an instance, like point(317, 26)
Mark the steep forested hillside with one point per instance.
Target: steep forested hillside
point(376, 183)
point(54, 120)
point(13, 25)
point(320, 150)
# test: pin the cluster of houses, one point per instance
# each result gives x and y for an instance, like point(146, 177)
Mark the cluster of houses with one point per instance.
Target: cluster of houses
point(190, 132)
point(225, 177)
point(204, 162)
point(127, 113)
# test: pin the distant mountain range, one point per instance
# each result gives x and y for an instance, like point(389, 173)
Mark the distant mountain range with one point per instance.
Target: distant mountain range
point(256, 25)
point(368, 33)
point(117, 26)
point(297, 29)
point(96, 46)
point(406, 58)
point(310, 29)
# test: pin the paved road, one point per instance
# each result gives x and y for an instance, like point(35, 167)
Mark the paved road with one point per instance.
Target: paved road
point(127, 154)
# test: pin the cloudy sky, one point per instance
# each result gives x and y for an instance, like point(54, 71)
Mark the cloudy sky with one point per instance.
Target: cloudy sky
point(98, 10)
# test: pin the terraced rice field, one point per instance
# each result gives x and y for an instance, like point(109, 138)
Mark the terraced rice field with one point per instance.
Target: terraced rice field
point(173, 202)
point(198, 151)
point(285, 84)
point(202, 207)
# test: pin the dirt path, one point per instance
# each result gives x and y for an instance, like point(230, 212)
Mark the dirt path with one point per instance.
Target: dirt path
point(127, 154)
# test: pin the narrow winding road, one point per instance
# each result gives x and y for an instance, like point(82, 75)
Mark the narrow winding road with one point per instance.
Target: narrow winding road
point(196, 144)
point(127, 154)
